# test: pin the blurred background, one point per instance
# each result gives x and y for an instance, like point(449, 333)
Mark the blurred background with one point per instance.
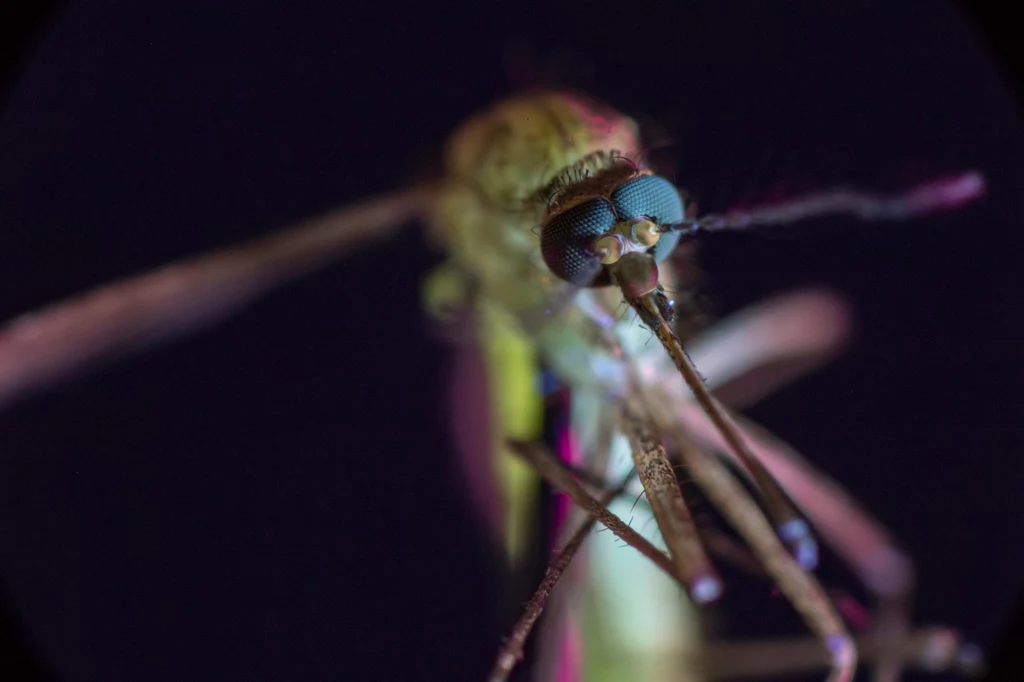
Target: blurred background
point(277, 498)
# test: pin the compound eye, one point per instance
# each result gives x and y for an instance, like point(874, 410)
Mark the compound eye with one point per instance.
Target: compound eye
point(566, 240)
point(655, 198)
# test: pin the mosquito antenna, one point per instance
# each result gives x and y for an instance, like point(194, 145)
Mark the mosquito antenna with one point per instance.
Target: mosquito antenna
point(944, 193)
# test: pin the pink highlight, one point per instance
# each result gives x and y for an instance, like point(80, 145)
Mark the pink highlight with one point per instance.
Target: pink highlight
point(854, 613)
point(569, 667)
point(948, 192)
point(570, 655)
point(605, 127)
point(469, 411)
point(568, 452)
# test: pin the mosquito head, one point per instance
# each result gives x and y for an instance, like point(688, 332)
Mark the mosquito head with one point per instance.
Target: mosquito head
point(622, 229)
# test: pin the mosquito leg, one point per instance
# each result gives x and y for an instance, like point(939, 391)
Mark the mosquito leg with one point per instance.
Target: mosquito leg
point(845, 525)
point(930, 649)
point(548, 467)
point(803, 324)
point(729, 550)
point(793, 530)
point(933, 648)
point(43, 347)
point(799, 330)
point(638, 623)
point(670, 511)
point(800, 587)
point(511, 652)
point(718, 545)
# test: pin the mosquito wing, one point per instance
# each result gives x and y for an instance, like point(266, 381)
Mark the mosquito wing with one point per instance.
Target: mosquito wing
point(46, 346)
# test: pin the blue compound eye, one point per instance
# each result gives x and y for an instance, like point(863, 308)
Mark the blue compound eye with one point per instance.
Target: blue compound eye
point(649, 196)
point(566, 239)
point(652, 197)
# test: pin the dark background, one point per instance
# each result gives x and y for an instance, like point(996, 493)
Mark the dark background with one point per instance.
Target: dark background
point(277, 498)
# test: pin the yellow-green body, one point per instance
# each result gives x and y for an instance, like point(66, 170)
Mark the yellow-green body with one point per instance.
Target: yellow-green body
point(487, 217)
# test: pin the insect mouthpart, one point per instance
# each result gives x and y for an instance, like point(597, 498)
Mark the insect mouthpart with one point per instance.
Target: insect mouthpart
point(636, 274)
point(626, 252)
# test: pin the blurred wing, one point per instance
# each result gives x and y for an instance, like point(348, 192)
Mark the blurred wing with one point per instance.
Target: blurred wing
point(46, 346)
point(757, 351)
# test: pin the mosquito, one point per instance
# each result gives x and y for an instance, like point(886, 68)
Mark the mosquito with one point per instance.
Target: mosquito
point(572, 253)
